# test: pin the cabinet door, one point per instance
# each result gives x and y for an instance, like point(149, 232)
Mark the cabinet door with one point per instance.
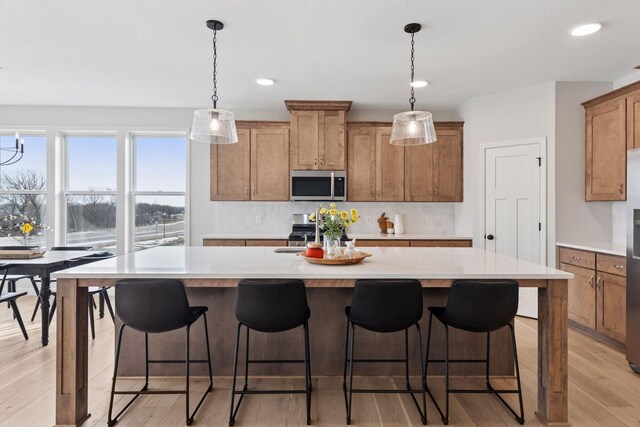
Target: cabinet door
point(606, 151)
point(230, 169)
point(361, 175)
point(389, 168)
point(633, 120)
point(331, 148)
point(383, 243)
point(305, 135)
point(611, 313)
point(418, 173)
point(441, 243)
point(269, 164)
point(582, 295)
point(223, 242)
point(447, 169)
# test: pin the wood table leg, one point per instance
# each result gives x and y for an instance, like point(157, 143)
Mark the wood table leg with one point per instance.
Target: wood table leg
point(553, 365)
point(71, 354)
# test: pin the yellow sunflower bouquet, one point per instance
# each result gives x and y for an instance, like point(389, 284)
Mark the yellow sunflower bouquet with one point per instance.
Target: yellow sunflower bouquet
point(333, 222)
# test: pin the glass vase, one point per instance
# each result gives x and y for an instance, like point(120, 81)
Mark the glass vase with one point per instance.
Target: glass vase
point(331, 246)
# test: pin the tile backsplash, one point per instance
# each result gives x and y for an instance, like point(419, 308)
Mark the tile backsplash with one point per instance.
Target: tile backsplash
point(275, 217)
point(619, 222)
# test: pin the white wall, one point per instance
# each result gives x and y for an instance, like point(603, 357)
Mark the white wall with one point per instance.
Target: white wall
point(576, 220)
point(518, 114)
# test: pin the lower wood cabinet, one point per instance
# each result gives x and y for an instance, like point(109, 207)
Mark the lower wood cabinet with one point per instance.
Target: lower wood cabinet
point(414, 243)
point(597, 293)
point(242, 242)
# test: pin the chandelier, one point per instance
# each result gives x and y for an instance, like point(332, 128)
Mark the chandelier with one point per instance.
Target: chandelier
point(17, 151)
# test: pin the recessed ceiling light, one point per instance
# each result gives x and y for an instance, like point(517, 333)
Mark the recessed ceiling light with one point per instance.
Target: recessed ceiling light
point(420, 83)
point(265, 82)
point(586, 29)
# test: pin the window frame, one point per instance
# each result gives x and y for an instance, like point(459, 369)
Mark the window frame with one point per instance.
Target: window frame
point(66, 192)
point(133, 192)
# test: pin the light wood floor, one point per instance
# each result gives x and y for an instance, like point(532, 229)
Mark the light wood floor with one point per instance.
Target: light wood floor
point(603, 390)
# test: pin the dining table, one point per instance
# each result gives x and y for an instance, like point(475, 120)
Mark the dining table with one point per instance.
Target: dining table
point(43, 267)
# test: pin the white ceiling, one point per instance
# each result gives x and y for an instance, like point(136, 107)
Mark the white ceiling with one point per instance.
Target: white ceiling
point(158, 52)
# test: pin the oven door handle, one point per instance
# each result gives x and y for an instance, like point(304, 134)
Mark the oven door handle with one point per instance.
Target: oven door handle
point(333, 185)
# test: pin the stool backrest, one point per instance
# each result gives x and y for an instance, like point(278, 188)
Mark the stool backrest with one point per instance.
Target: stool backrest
point(152, 305)
point(489, 305)
point(272, 305)
point(386, 305)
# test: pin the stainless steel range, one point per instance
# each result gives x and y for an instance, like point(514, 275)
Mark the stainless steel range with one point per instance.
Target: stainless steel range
point(303, 231)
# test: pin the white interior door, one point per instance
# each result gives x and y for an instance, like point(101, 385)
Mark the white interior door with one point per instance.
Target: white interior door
point(513, 219)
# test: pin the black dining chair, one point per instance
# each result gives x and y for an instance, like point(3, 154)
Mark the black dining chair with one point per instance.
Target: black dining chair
point(271, 306)
point(479, 307)
point(154, 306)
point(10, 298)
point(384, 306)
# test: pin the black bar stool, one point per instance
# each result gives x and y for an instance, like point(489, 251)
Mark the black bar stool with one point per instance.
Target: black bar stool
point(10, 298)
point(384, 306)
point(481, 307)
point(156, 306)
point(271, 306)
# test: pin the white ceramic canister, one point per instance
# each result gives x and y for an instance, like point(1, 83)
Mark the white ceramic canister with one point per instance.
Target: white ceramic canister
point(398, 224)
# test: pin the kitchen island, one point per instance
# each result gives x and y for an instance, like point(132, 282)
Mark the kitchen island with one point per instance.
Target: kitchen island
point(212, 274)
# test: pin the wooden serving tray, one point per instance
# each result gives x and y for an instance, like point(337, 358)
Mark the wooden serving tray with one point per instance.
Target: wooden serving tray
point(357, 258)
point(21, 254)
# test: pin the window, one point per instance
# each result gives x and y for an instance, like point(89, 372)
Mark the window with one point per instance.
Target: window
point(159, 186)
point(23, 185)
point(91, 183)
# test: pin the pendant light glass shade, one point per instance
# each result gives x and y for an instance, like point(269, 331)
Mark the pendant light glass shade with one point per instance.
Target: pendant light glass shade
point(413, 128)
point(214, 126)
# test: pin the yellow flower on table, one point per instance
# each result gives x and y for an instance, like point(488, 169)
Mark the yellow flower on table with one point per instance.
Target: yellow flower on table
point(347, 223)
point(323, 211)
point(312, 216)
point(344, 215)
point(333, 212)
point(333, 205)
point(26, 228)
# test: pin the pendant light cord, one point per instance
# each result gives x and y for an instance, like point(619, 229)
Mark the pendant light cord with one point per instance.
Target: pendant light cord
point(412, 100)
point(214, 97)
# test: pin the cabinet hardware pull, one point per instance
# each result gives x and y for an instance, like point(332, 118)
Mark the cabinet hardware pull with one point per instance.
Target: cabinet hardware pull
point(598, 282)
point(621, 267)
point(621, 189)
point(254, 191)
point(315, 161)
point(246, 191)
point(321, 161)
point(577, 258)
point(591, 281)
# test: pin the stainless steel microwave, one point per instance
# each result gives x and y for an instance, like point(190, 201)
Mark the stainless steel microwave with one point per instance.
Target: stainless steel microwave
point(318, 185)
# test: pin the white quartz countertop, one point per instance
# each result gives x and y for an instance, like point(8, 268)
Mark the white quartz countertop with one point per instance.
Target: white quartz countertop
point(361, 236)
point(197, 262)
point(602, 247)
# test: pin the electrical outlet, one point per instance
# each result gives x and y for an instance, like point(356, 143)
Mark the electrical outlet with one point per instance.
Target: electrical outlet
point(368, 219)
point(258, 219)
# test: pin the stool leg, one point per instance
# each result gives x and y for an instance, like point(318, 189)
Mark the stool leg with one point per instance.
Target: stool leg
point(17, 316)
point(515, 354)
point(353, 345)
point(424, 392)
point(186, 379)
point(406, 358)
point(12, 288)
point(246, 362)
point(446, 362)
point(206, 335)
point(101, 305)
point(426, 362)
point(346, 359)
point(37, 291)
point(111, 421)
point(232, 412)
point(107, 301)
point(489, 386)
point(309, 357)
point(307, 370)
point(146, 362)
point(91, 321)
point(53, 309)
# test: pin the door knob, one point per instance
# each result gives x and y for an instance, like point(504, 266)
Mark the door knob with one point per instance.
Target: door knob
point(489, 237)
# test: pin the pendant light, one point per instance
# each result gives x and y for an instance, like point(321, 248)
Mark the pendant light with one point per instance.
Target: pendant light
point(212, 125)
point(412, 127)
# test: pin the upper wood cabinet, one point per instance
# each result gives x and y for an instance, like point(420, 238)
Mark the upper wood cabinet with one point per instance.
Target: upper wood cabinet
point(612, 127)
point(256, 167)
point(379, 171)
point(231, 169)
point(318, 134)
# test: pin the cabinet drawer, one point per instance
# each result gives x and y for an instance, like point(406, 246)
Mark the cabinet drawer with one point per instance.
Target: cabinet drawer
point(262, 242)
point(612, 264)
point(223, 242)
point(576, 257)
point(441, 243)
point(387, 243)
